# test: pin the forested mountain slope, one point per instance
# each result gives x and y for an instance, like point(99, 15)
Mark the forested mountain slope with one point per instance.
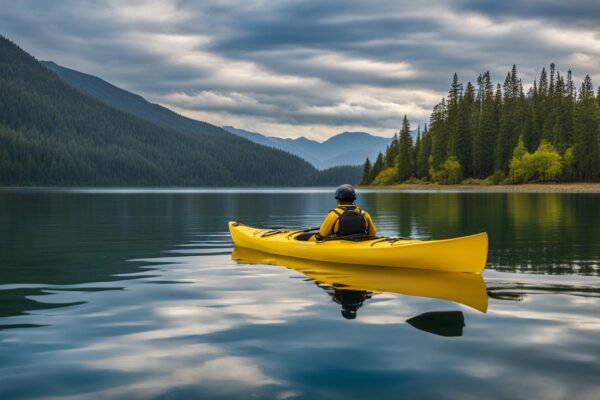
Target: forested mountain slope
point(52, 134)
point(132, 103)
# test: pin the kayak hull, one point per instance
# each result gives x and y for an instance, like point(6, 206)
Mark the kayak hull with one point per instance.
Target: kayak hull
point(463, 254)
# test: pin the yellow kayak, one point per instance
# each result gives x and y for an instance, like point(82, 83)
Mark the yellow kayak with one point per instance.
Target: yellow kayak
point(463, 254)
point(467, 289)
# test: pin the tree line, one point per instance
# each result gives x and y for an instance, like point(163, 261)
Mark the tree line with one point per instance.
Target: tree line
point(491, 134)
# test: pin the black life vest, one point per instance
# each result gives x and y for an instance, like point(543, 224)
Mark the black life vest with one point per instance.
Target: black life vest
point(350, 222)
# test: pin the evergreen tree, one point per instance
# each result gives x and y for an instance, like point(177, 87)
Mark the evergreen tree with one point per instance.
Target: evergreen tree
point(531, 133)
point(551, 106)
point(540, 107)
point(367, 173)
point(415, 150)
point(587, 131)
point(439, 135)
point(378, 166)
point(485, 136)
point(464, 137)
point(422, 165)
point(453, 121)
point(391, 152)
point(512, 104)
point(405, 157)
point(563, 131)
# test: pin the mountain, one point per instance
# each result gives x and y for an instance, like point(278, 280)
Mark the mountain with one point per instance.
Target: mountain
point(53, 134)
point(130, 102)
point(347, 148)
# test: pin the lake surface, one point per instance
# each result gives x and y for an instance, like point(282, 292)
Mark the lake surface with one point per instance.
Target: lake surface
point(133, 294)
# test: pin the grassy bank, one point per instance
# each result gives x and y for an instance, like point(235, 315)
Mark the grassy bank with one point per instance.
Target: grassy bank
point(571, 187)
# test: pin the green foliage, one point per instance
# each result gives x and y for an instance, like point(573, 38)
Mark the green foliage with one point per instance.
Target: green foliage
point(587, 132)
point(482, 126)
point(439, 134)
point(367, 177)
point(378, 166)
point(391, 152)
point(496, 178)
point(423, 156)
point(450, 172)
point(569, 165)
point(404, 161)
point(472, 181)
point(386, 177)
point(544, 165)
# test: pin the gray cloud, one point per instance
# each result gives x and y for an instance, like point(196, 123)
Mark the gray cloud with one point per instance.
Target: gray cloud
point(298, 67)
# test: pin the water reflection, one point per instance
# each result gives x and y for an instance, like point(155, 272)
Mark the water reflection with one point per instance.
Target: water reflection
point(442, 323)
point(349, 300)
point(134, 295)
point(519, 291)
point(352, 285)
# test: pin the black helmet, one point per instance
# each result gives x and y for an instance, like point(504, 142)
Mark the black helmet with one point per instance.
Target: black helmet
point(345, 192)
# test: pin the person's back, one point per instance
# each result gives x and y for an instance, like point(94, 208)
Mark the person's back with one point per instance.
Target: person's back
point(347, 219)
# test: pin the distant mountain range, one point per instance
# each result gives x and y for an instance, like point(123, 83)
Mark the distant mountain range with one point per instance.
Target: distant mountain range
point(71, 129)
point(347, 148)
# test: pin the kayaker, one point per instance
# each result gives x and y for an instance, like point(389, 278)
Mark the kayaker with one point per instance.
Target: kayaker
point(347, 219)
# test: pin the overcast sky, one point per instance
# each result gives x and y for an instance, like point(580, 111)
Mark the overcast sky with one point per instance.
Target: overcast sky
point(311, 68)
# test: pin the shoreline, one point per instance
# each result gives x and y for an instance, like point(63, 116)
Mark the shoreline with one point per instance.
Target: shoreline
point(570, 187)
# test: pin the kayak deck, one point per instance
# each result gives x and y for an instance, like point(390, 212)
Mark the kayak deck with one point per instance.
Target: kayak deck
point(463, 254)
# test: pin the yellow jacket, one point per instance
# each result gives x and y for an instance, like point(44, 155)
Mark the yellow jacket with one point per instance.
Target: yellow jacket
point(329, 226)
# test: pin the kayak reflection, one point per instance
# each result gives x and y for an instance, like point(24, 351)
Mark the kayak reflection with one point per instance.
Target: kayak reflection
point(442, 323)
point(351, 285)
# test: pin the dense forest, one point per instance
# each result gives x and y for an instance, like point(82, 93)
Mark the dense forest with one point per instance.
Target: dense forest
point(52, 134)
point(482, 134)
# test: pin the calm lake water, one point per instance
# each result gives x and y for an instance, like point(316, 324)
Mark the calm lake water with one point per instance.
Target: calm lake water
point(133, 294)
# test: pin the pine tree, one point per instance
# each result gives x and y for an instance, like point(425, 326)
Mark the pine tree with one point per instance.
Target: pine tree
point(540, 107)
point(367, 173)
point(512, 109)
point(531, 133)
point(391, 152)
point(404, 160)
point(439, 134)
point(551, 103)
point(377, 167)
point(587, 131)
point(422, 166)
point(563, 126)
point(464, 137)
point(485, 137)
point(416, 150)
point(452, 122)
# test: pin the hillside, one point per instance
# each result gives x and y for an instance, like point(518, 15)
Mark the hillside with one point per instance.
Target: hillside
point(131, 102)
point(347, 148)
point(52, 134)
